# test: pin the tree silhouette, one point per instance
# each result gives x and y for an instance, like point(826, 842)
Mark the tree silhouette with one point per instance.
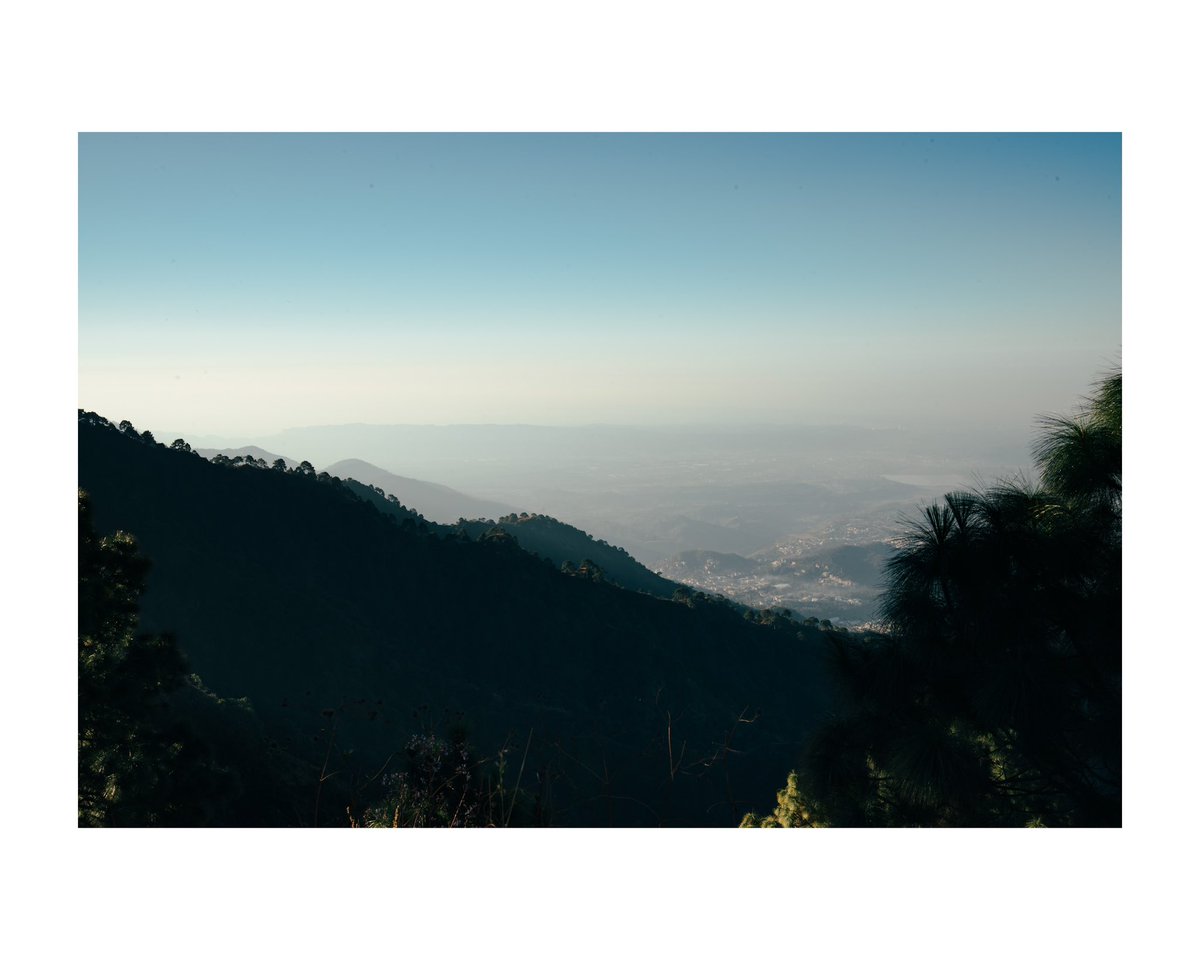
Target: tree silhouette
point(137, 765)
point(993, 697)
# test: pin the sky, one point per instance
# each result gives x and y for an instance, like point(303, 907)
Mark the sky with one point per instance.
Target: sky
point(239, 284)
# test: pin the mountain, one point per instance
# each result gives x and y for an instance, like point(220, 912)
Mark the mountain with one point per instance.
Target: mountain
point(432, 500)
point(562, 544)
point(388, 505)
point(356, 637)
point(258, 453)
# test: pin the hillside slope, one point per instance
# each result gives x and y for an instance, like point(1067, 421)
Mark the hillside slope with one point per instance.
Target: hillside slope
point(562, 543)
point(432, 500)
point(346, 627)
point(256, 453)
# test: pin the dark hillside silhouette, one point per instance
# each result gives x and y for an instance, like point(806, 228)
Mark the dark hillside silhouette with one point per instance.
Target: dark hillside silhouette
point(155, 747)
point(256, 453)
point(350, 631)
point(562, 544)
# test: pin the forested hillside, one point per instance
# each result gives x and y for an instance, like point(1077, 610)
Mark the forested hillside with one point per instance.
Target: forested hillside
point(572, 548)
point(376, 651)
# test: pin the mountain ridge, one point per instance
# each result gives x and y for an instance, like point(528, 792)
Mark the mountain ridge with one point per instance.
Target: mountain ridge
point(434, 501)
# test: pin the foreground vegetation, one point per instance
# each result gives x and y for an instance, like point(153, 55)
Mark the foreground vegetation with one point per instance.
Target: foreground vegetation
point(994, 696)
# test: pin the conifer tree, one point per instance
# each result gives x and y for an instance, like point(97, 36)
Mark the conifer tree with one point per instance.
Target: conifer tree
point(993, 697)
point(137, 766)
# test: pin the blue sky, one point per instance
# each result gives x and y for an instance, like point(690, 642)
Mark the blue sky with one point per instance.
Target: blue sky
point(243, 283)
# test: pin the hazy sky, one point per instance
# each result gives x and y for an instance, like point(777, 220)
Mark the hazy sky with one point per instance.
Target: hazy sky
point(238, 284)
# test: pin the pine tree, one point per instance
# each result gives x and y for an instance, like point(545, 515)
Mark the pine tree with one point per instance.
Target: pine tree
point(993, 697)
point(137, 765)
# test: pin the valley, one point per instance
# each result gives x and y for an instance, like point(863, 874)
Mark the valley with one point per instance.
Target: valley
point(801, 518)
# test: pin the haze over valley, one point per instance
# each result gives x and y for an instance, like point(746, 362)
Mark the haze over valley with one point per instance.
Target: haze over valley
point(800, 517)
